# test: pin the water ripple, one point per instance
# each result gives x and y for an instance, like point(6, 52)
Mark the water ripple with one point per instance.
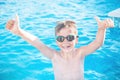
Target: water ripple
point(19, 60)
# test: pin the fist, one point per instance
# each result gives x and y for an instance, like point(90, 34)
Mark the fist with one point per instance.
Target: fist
point(10, 24)
point(13, 25)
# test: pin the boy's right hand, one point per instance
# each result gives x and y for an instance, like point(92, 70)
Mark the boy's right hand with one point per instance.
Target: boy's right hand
point(13, 25)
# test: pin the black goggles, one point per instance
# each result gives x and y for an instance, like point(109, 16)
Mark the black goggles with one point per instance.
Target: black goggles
point(69, 38)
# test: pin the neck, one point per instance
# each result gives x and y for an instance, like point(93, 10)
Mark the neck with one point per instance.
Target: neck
point(67, 55)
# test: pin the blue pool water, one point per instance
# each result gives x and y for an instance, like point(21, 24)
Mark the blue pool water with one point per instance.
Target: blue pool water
point(21, 61)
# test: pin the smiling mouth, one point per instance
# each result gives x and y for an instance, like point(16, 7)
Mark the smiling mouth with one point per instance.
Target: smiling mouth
point(66, 47)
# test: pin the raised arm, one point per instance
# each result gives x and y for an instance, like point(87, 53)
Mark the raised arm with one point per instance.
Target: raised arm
point(100, 36)
point(13, 26)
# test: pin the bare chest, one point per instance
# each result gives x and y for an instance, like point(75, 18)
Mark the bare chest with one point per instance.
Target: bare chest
point(68, 68)
point(67, 64)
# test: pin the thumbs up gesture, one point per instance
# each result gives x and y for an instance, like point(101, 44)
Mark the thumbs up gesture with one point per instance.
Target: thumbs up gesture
point(13, 25)
point(107, 23)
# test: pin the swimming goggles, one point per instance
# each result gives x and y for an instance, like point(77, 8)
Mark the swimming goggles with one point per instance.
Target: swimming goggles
point(69, 38)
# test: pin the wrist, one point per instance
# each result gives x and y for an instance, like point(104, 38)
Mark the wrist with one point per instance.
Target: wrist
point(101, 28)
point(20, 33)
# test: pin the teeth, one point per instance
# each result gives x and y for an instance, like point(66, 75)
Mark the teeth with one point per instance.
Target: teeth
point(66, 46)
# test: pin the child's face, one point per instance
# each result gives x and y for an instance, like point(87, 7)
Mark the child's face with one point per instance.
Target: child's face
point(68, 43)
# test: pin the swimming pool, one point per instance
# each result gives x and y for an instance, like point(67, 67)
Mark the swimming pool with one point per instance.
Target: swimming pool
point(20, 61)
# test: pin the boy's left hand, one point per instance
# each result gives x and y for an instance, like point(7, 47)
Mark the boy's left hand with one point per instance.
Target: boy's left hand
point(104, 23)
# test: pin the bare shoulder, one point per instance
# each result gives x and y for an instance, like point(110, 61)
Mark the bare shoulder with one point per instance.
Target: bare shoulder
point(80, 51)
point(55, 54)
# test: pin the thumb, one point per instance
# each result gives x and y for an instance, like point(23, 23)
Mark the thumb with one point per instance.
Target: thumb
point(97, 19)
point(16, 26)
point(16, 20)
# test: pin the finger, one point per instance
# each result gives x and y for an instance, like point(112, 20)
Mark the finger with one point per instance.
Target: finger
point(16, 19)
point(97, 19)
point(10, 24)
point(106, 23)
point(110, 23)
point(10, 21)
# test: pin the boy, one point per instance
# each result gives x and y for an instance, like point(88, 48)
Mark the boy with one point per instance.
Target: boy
point(68, 64)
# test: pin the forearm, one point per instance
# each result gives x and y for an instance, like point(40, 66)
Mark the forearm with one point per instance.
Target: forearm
point(48, 52)
point(100, 36)
point(13, 26)
point(28, 37)
point(102, 25)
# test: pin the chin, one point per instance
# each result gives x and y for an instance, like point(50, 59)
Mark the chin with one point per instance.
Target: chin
point(67, 50)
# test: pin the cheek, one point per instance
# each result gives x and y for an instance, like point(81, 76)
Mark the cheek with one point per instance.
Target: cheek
point(58, 43)
point(73, 43)
point(76, 41)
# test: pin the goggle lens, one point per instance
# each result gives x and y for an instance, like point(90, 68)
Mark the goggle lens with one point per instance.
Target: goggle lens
point(62, 38)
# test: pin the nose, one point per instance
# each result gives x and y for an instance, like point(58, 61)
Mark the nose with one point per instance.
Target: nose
point(65, 41)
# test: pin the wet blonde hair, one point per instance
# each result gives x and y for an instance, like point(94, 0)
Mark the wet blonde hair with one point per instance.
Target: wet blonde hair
point(65, 24)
